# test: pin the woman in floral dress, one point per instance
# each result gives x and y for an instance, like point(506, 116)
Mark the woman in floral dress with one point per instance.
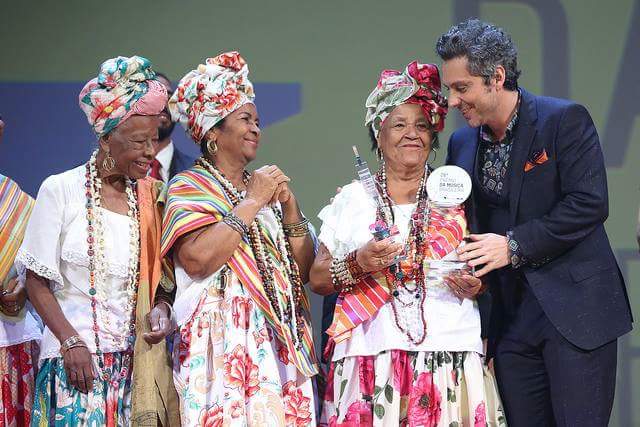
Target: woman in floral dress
point(242, 251)
point(405, 347)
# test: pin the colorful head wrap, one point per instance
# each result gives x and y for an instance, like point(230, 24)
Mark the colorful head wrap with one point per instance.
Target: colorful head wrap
point(124, 87)
point(417, 84)
point(211, 92)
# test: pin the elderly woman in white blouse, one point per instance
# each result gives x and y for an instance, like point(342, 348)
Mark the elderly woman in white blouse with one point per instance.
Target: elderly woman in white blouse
point(405, 349)
point(91, 251)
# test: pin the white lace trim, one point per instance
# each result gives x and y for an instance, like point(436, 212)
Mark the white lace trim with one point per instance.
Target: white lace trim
point(31, 263)
point(82, 260)
point(106, 345)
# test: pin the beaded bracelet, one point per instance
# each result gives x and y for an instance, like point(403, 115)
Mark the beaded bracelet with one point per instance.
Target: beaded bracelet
point(296, 229)
point(236, 224)
point(352, 264)
point(341, 277)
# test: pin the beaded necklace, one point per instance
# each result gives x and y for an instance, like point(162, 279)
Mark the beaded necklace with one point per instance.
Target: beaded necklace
point(291, 309)
point(97, 263)
point(407, 278)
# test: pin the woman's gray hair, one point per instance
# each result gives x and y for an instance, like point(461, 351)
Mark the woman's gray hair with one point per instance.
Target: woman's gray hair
point(485, 46)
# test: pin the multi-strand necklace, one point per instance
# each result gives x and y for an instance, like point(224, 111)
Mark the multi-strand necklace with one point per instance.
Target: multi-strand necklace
point(98, 291)
point(406, 278)
point(288, 312)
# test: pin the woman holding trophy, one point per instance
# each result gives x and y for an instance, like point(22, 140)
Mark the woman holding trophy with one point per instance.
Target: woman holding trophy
point(405, 344)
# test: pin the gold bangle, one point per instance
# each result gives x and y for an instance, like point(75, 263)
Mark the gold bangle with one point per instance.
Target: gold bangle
point(71, 342)
point(80, 344)
point(296, 229)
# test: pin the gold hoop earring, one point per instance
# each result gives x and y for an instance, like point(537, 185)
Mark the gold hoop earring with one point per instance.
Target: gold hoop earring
point(108, 163)
point(212, 150)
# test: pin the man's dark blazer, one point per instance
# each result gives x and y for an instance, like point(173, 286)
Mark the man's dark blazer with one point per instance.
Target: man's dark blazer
point(179, 162)
point(557, 210)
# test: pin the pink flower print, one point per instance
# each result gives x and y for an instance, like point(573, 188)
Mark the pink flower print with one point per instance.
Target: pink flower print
point(367, 375)
point(402, 372)
point(261, 335)
point(211, 417)
point(241, 312)
point(296, 405)
point(240, 371)
point(283, 354)
point(236, 409)
point(231, 60)
point(424, 402)
point(358, 414)
point(480, 416)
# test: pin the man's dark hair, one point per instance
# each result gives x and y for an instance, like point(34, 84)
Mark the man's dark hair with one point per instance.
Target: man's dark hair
point(165, 132)
point(485, 46)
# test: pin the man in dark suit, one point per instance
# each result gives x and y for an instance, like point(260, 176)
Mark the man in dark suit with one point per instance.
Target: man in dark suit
point(169, 160)
point(537, 209)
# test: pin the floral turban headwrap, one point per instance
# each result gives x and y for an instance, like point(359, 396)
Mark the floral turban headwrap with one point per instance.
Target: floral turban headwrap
point(417, 84)
point(211, 92)
point(124, 87)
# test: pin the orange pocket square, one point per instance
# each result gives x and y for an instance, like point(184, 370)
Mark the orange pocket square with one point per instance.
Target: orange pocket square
point(538, 158)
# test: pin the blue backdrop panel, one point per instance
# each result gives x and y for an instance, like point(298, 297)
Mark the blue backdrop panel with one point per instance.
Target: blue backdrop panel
point(47, 133)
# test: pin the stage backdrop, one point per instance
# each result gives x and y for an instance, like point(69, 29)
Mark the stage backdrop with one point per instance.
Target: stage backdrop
point(314, 64)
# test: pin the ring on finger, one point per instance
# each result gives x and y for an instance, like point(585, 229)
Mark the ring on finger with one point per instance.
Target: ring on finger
point(73, 378)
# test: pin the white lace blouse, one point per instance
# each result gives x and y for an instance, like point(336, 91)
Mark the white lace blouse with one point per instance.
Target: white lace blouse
point(55, 248)
point(451, 326)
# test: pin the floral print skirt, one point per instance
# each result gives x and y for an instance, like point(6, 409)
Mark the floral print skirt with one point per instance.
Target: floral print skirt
point(57, 403)
point(18, 364)
point(231, 370)
point(403, 388)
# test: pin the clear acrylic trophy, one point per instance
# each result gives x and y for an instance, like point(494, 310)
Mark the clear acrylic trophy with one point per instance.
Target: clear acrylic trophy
point(378, 229)
point(448, 187)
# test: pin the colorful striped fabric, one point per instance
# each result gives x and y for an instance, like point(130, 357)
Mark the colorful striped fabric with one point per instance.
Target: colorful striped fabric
point(15, 208)
point(195, 199)
point(447, 228)
point(152, 387)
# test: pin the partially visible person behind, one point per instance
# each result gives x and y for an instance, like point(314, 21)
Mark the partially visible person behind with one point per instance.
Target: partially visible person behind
point(242, 250)
point(638, 229)
point(537, 213)
point(91, 251)
point(407, 348)
point(19, 330)
point(169, 159)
